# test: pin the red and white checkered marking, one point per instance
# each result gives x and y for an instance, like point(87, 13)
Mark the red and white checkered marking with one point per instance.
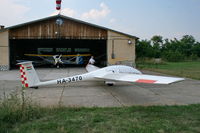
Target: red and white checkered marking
point(23, 76)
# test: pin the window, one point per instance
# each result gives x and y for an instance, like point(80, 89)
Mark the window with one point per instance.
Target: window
point(82, 50)
point(63, 50)
point(45, 50)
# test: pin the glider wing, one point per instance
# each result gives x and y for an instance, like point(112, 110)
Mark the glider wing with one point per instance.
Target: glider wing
point(139, 78)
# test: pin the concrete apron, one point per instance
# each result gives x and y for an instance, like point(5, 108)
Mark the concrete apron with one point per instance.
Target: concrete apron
point(89, 94)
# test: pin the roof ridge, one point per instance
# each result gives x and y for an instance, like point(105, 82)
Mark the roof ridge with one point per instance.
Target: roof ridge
point(70, 18)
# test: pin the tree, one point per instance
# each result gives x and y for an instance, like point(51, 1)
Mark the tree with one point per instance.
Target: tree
point(157, 42)
point(187, 43)
point(172, 50)
point(196, 49)
point(144, 49)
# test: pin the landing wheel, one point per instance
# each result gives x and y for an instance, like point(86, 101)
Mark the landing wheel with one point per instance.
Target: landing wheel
point(110, 84)
point(34, 87)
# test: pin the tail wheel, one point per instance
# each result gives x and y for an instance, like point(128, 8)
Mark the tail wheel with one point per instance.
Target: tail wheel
point(109, 84)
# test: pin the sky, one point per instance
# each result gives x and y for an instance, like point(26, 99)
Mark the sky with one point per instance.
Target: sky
point(141, 18)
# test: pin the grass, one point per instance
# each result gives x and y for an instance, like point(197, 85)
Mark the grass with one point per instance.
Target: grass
point(19, 117)
point(15, 109)
point(112, 120)
point(190, 69)
point(18, 114)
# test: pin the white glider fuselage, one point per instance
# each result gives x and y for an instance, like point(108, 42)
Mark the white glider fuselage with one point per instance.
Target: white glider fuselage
point(90, 76)
point(108, 74)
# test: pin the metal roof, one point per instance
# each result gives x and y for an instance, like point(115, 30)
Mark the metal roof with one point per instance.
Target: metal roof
point(69, 18)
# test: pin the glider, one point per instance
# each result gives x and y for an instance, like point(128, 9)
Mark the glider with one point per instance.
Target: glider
point(50, 59)
point(109, 75)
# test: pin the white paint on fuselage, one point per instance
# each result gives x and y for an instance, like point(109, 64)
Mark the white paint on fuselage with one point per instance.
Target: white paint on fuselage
point(123, 69)
point(114, 69)
point(90, 76)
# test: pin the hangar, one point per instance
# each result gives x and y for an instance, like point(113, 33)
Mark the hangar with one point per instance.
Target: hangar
point(64, 35)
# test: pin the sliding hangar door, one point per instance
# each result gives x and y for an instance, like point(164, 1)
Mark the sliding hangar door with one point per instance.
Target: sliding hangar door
point(41, 51)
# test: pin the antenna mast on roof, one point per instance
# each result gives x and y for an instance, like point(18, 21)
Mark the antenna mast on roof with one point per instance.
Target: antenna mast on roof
point(58, 6)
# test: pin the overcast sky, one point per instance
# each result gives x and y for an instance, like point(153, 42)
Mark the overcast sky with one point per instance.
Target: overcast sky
point(141, 18)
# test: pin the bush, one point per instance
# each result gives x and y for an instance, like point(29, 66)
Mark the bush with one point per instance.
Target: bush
point(173, 56)
point(193, 57)
point(149, 62)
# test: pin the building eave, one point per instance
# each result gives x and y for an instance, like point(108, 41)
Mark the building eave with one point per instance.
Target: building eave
point(69, 18)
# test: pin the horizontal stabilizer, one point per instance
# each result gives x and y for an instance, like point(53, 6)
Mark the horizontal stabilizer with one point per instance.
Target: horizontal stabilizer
point(91, 68)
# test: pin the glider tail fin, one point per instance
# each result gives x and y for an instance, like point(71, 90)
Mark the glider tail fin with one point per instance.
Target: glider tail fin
point(29, 77)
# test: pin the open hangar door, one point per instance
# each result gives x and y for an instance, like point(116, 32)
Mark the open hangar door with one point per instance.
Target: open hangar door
point(41, 51)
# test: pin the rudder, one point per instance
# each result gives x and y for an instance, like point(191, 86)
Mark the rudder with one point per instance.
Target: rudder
point(29, 77)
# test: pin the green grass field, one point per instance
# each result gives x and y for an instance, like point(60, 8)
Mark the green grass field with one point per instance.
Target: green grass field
point(152, 119)
point(17, 116)
point(182, 69)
